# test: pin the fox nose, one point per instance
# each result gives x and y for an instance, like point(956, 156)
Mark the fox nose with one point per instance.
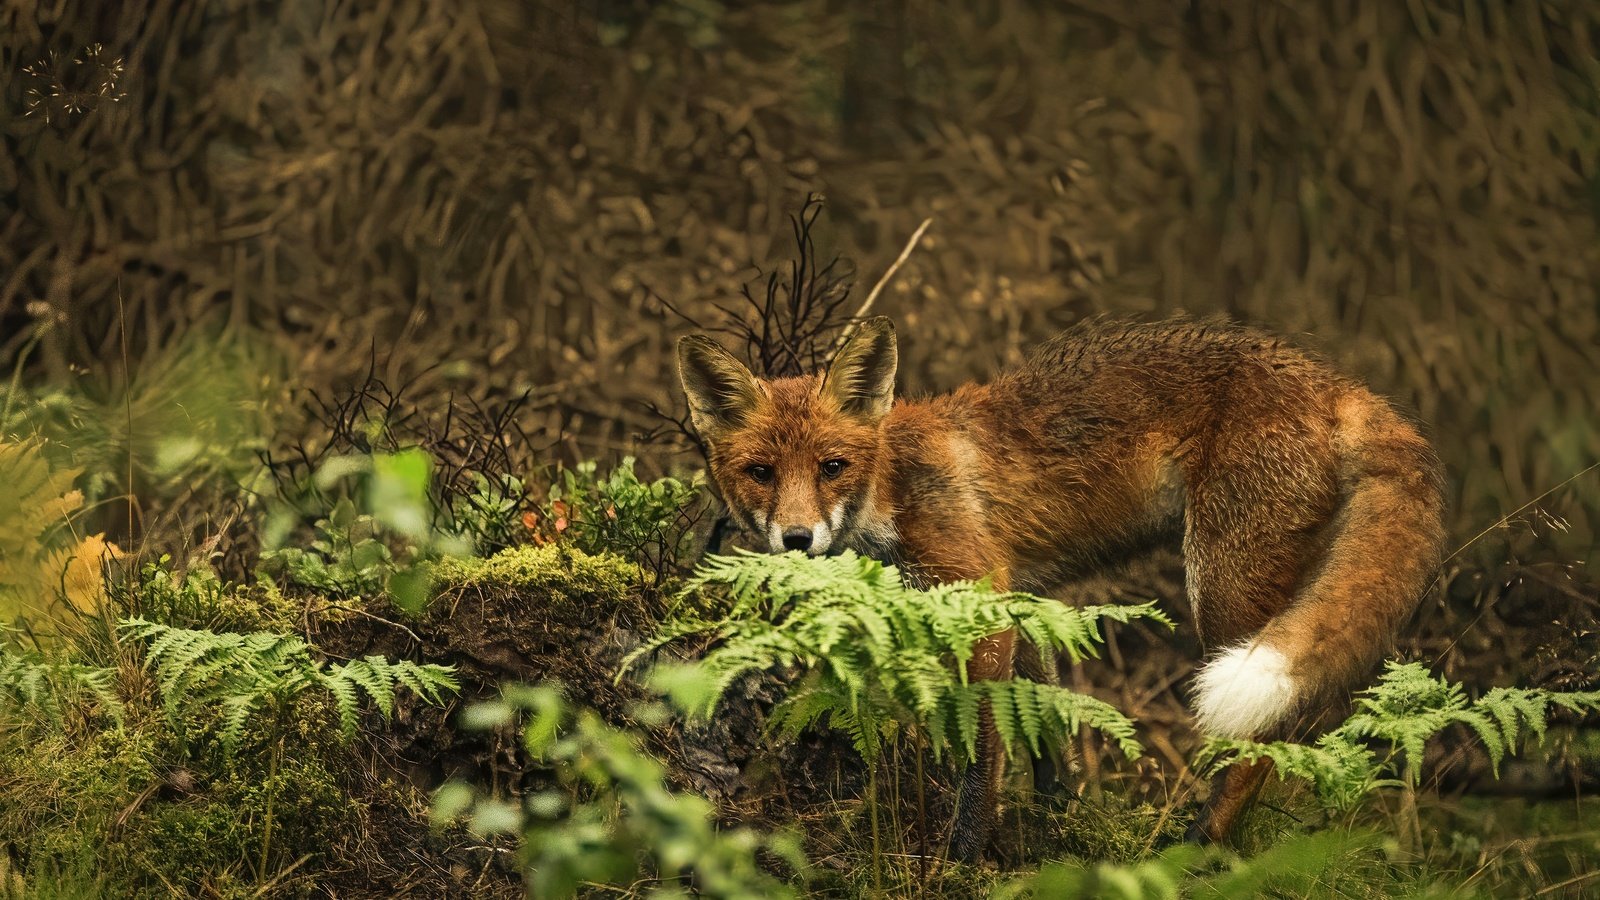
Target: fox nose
point(797, 537)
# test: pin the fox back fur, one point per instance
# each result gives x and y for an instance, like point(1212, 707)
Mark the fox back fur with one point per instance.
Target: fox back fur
point(1308, 510)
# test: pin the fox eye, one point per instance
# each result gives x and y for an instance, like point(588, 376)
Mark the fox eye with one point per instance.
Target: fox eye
point(759, 473)
point(833, 467)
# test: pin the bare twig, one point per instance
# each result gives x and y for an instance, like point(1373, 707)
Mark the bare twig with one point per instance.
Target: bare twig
point(866, 305)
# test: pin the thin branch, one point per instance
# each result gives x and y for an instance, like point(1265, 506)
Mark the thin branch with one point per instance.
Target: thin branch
point(866, 305)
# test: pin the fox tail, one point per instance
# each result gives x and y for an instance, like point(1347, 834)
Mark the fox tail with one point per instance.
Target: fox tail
point(1386, 541)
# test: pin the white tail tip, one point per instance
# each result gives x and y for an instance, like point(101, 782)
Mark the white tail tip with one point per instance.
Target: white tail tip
point(1243, 692)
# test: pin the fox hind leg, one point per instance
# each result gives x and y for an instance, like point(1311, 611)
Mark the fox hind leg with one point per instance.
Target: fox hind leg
point(1248, 539)
point(1305, 594)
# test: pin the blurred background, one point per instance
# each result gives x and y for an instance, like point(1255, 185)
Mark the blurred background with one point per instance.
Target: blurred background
point(219, 218)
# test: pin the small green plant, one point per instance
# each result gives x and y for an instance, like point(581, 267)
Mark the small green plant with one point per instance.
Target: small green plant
point(196, 597)
point(30, 681)
point(387, 503)
point(346, 558)
point(1406, 708)
point(490, 515)
point(240, 673)
point(877, 654)
point(610, 819)
point(618, 513)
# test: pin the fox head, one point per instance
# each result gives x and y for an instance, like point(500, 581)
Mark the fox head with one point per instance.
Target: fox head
point(796, 459)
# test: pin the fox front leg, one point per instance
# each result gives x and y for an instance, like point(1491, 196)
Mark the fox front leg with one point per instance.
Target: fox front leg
point(980, 785)
point(939, 555)
point(1052, 766)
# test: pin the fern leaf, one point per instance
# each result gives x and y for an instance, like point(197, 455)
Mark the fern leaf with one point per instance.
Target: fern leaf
point(1004, 709)
point(240, 672)
point(345, 697)
point(1405, 708)
point(1029, 717)
point(881, 655)
point(428, 681)
point(1074, 709)
point(967, 706)
point(372, 675)
point(236, 710)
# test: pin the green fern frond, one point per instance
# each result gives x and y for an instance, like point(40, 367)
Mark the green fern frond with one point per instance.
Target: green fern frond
point(1581, 702)
point(1030, 715)
point(29, 680)
point(240, 673)
point(1004, 708)
point(1064, 711)
point(1406, 708)
point(967, 709)
point(345, 698)
point(236, 710)
point(880, 655)
point(1342, 771)
point(371, 675)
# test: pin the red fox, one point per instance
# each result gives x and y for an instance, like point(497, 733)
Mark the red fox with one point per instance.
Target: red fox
point(1309, 512)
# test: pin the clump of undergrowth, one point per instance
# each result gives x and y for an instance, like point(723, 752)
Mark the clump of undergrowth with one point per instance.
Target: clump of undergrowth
point(610, 817)
point(155, 817)
point(1114, 829)
point(651, 522)
point(475, 484)
point(53, 685)
point(197, 597)
point(179, 758)
point(241, 675)
point(379, 529)
point(158, 809)
point(882, 663)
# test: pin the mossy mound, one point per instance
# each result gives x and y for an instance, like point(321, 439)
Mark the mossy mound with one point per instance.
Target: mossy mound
point(527, 614)
point(553, 613)
point(157, 818)
point(553, 584)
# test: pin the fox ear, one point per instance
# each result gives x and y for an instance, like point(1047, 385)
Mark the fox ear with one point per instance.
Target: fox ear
point(861, 377)
point(722, 392)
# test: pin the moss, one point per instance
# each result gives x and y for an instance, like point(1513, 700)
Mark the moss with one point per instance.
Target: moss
point(153, 818)
point(215, 837)
point(557, 574)
point(57, 789)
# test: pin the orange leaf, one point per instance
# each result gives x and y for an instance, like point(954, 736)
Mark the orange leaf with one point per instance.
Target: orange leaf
point(82, 581)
